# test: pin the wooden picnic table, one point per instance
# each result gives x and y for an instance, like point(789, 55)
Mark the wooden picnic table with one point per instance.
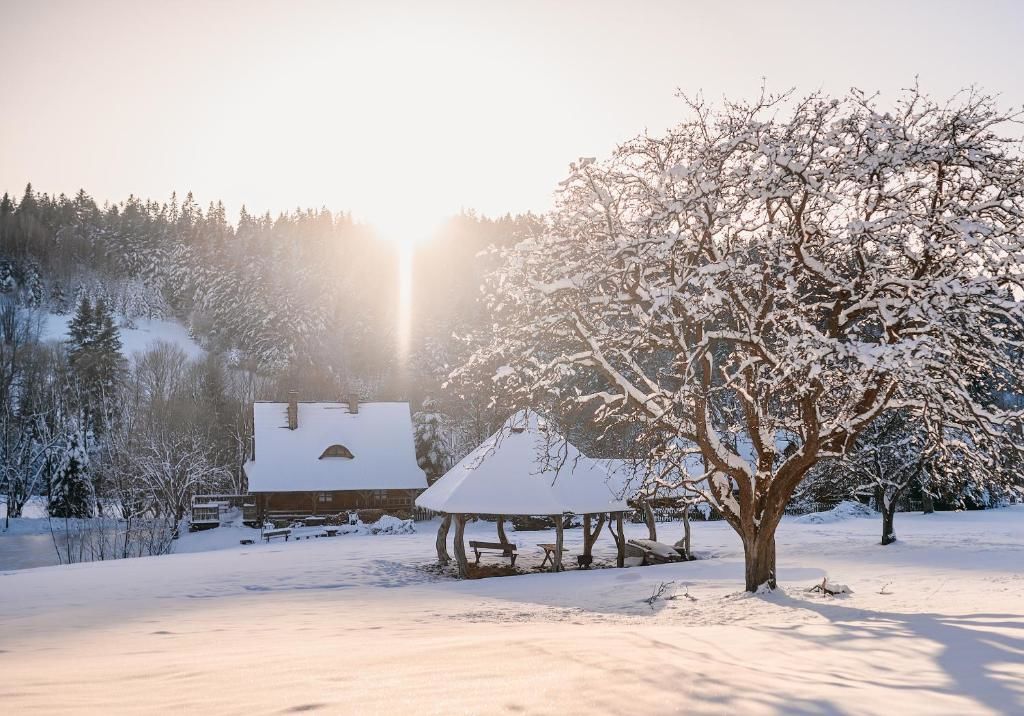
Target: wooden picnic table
point(549, 552)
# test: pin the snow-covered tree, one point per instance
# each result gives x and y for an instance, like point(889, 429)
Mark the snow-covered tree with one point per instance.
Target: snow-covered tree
point(94, 352)
point(29, 404)
point(433, 450)
point(891, 456)
point(760, 283)
point(71, 489)
point(171, 468)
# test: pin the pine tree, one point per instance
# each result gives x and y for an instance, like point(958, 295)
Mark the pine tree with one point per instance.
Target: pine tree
point(80, 328)
point(27, 205)
point(433, 451)
point(94, 352)
point(71, 491)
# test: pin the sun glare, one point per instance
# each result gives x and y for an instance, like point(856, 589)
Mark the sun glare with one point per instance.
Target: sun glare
point(404, 327)
point(406, 225)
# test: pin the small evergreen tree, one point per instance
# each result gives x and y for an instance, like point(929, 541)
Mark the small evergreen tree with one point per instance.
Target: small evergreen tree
point(433, 451)
point(71, 491)
point(80, 328)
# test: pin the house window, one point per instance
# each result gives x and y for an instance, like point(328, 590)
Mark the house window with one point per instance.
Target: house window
point(337, 451)
point(324, 497)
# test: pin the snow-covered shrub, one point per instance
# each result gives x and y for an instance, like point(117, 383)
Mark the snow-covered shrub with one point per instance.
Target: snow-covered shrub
point(388, 525)
point(845, 510)
point(830, 588)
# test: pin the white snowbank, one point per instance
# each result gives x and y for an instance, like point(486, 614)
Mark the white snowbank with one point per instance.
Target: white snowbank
point(845, 510)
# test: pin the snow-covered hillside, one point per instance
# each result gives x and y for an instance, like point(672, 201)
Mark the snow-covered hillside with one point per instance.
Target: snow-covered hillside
point(355, 624)
point(134, 340)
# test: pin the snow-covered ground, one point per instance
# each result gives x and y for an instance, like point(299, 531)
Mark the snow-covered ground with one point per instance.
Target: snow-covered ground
point(133, 340)
point(362, 624)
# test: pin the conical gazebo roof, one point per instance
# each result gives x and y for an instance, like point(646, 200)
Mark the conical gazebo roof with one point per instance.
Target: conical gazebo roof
point(524, 469)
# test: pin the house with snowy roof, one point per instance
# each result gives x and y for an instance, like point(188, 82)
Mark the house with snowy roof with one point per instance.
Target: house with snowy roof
point(318, 458)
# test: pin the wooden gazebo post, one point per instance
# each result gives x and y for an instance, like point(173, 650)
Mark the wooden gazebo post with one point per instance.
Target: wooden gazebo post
point(460, 545)
point(620, 541)
point(442, 540)
point(590, 536)
point(648, 513)
point(556, 562)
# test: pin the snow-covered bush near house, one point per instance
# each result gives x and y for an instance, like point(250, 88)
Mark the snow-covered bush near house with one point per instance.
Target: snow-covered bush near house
point(845, 510)
point(391, 525)
point(386, 525)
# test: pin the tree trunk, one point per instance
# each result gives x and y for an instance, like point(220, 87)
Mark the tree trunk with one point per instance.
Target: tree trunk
point(927, 503)
point(620, 542)
point(652, 529)
point(888, 516)
point(556, 563)
point(460, 545)
point(443, 557)
point(501, 530)
point(759, 559)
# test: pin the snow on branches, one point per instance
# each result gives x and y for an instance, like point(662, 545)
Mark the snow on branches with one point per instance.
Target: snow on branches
point(760, 283)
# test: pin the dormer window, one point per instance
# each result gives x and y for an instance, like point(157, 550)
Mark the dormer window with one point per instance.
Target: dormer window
point(337, 451)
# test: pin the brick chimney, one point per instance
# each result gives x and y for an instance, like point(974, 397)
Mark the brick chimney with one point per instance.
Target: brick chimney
point(293, 410)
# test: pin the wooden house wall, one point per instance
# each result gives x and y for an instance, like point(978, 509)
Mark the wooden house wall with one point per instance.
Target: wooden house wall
point(330, 503)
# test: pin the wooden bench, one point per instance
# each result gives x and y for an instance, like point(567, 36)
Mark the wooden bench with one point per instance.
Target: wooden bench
point(505, 549)
point(245, 541)
point(549, 553)
point(331, 532)
point(269, 534)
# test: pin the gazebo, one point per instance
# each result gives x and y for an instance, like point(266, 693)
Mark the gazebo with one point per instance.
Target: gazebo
point(525, 468)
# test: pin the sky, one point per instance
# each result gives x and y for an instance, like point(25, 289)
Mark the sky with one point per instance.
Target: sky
point(402, 112)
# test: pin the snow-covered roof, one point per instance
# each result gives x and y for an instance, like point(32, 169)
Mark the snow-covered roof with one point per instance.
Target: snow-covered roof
point(379, 436)
point(523, 469)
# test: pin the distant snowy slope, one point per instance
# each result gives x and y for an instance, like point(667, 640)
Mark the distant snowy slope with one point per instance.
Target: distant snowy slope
point(134, 340)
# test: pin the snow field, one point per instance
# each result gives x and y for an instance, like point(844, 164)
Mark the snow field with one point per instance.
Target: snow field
point(361, 624)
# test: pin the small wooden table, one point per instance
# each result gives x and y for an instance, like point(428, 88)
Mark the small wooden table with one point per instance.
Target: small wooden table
point(549, 553)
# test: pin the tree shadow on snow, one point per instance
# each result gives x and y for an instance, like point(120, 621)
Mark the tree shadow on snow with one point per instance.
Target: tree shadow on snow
point(684, 678)
point(968, 649)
